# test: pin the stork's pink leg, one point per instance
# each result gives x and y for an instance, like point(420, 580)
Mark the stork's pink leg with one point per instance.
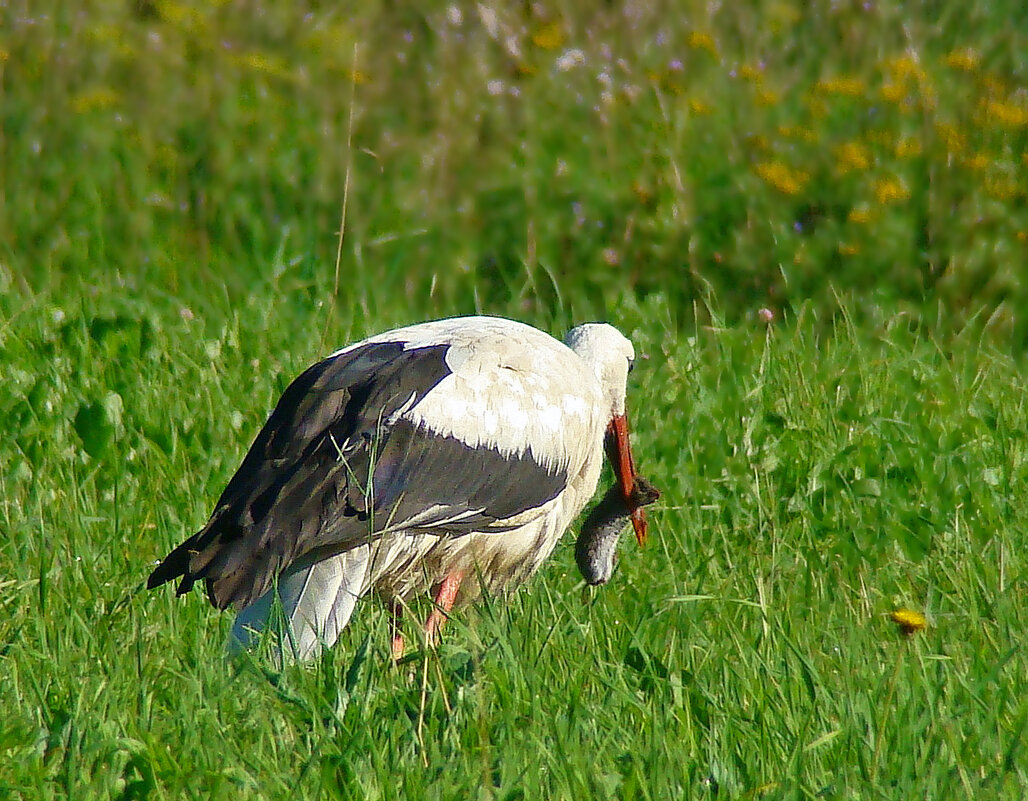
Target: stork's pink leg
point(396, 615)
point(445, 595)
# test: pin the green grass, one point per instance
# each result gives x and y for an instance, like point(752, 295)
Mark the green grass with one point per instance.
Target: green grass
point(171, 183)
point(814, 482)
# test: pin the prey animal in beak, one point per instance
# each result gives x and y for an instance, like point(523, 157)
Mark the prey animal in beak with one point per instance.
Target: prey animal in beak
point(619, 451)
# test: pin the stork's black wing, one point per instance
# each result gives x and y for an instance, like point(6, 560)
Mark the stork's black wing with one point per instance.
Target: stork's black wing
point(336, 464)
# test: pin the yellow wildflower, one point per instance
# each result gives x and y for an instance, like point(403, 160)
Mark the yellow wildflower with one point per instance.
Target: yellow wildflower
point(904, 67)
point(702, 41)
point(748, 73)
point(846, 249)
point(1002, 188)
point(1006, 115)
point(765, 97)
point(852, 156)
point(966, 59)
point(907, 146)
point(951, 137)
point(859, 215)
point(846, 86)
point(1022, 236)
point(698, 107)
point(549, 37)
point(890, 190)
point(978, 162)
point(908, 620)
point(893, 92)
point(783, 178)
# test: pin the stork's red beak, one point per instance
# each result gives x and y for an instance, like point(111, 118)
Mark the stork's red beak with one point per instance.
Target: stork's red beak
point(619, 451)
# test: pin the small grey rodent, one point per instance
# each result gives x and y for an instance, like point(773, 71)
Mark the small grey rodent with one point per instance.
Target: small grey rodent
point(597, 544)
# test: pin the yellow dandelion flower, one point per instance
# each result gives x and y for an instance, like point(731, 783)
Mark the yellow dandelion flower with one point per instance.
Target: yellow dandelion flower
point(702, 41)
point(846, 86)
point(893, 92)
point(1006, 115)
point(846, 249)
point(907, 147)
point(908, 620)
point(977, 162)
point(1002, 188)
point(782, 177)
point(905, 67)
point(861, 215)
point(965, 58)
point(852, 157)
point(951, 136)
point(94, 100)
point(748, 73)
point(765, 97)
point(697, 106)
point(890, 190)
point(549, 37)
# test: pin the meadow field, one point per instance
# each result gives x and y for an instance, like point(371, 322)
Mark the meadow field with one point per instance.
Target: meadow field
point(811, 219)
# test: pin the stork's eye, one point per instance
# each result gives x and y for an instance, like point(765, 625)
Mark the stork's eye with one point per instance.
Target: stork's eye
point(631, 365)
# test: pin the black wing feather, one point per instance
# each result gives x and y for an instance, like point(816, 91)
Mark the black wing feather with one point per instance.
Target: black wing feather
point(303, 486)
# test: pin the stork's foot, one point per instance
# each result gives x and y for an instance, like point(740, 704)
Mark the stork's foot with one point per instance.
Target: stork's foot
point(445, 595)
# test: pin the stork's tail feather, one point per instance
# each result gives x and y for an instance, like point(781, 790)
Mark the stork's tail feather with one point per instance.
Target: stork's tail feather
point(173, 565)
point(317, 602)
point(217, 555)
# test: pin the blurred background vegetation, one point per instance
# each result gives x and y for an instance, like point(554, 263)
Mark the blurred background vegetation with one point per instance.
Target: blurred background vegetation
point(543, 159)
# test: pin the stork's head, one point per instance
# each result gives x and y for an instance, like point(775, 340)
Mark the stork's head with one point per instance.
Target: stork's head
point(610, 355)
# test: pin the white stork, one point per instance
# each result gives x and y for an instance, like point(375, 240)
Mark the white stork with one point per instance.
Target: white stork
point(447, 456)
